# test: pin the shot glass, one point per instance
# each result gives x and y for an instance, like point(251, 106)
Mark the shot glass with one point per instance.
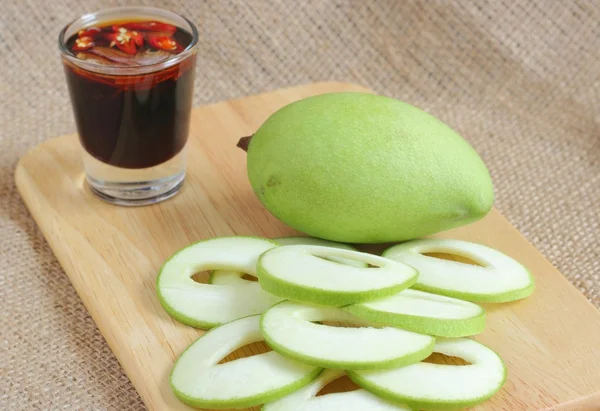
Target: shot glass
point(130, 75)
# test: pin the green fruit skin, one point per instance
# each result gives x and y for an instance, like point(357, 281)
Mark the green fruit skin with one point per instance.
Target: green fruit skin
point(408, 359)
point(504, 297)
point(249, 401)
point(182, 318)
point(421, 403)
point(284, 289)
point(425, 403)
point(362, 168)
point(439, 327)
point(242, 402)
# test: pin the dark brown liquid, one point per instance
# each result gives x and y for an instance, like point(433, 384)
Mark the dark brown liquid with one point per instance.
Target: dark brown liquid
point(133, 121)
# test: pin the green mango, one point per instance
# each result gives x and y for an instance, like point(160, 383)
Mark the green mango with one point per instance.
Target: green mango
point(363, 168)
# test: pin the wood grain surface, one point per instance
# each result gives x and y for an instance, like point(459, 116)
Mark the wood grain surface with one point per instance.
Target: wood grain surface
point(550, 341)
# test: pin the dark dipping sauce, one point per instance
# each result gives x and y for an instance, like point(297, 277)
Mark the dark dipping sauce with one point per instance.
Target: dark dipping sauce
point(132, 121)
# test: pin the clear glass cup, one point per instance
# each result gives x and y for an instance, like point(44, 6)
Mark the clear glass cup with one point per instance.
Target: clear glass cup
point(132, 119)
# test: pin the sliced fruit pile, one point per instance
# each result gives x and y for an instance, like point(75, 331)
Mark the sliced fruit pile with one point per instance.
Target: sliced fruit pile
point(394, 311)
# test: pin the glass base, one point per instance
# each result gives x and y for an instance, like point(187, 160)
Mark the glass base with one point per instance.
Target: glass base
point(137, 194)
point(138, 187)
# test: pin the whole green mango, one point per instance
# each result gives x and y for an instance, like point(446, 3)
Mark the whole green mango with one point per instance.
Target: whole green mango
point(363, 168)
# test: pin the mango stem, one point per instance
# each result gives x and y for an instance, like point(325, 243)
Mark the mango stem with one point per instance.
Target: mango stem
point(244, 143)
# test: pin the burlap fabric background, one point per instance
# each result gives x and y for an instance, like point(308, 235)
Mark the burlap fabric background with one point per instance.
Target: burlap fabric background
point(519, 79)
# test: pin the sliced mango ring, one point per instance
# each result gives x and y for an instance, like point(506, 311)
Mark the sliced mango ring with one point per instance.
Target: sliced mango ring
point(231, 277)
point(305, 273)
point(425, 313)
point(440, 386)
point(289, 329)
point(206, 305)
point(198, 380)
point(499, 278)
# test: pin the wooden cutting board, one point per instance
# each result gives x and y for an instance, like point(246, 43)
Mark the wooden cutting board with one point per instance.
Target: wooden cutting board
point(550, 341)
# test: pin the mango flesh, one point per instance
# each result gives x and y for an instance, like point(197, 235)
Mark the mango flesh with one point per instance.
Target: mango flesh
point(363, 168)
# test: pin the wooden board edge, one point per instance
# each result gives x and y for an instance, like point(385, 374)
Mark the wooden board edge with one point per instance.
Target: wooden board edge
point(588, 403)
point(21, 175)
point(547, 262)
point(27, 187)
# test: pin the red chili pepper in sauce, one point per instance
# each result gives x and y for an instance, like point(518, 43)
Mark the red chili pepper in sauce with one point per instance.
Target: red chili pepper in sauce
point(163, 42)
point(150, 26)
point(89, 32)
point(124, 39)
point(83, 43)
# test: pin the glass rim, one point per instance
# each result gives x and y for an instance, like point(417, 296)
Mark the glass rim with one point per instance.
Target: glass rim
point(121, 70)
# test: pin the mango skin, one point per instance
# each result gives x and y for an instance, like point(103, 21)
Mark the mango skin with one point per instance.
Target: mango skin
point(363, 168)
